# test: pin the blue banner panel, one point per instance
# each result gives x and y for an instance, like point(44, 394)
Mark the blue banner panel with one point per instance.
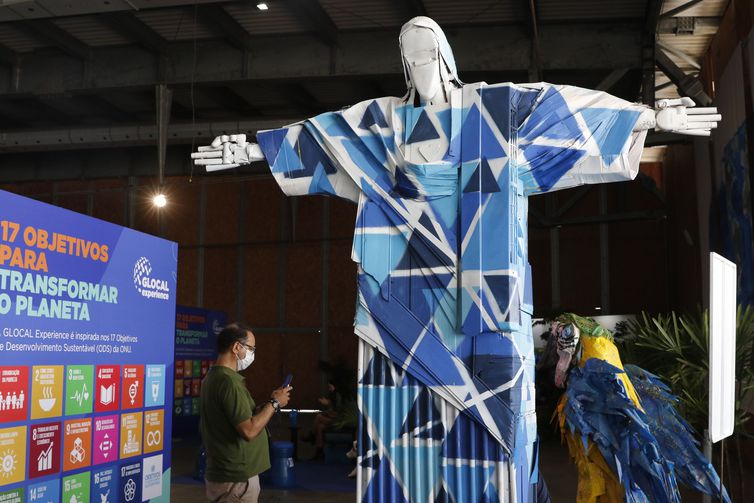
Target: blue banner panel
point(196, 332)
point(87, 327)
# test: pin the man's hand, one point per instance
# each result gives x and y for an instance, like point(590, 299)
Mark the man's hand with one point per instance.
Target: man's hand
point(679, 116)
point(282, 395)
point(227, 151)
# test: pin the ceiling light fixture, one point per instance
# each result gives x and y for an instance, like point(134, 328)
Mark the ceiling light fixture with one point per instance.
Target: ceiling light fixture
point(160, 200)
point(262, 6)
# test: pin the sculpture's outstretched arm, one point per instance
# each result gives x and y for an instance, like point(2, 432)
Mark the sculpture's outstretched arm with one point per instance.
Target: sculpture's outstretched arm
point(679, 116)
point(227, 151)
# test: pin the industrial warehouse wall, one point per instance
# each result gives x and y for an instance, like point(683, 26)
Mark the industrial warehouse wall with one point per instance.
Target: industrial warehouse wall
point(283, 264)
point(724, 165)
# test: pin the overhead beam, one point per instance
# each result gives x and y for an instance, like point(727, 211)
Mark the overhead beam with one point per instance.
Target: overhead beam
point(535, 72)
point(311, 13)
point(680, 8)
point(686, 84)
point(611, 79)
point(218, 20)
point(121, 136)
point(648, 48)
point(361, 55)
point(50, 33)
point(136, 31)
point(669, 26)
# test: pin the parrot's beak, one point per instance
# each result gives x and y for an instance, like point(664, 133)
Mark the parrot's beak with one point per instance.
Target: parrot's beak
point(561, 369)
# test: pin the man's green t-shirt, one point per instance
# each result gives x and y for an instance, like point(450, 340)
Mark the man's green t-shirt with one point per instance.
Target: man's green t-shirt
point(225, 403)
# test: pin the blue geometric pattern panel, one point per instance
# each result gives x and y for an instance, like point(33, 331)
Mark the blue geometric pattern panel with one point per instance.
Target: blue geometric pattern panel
point(444, 295)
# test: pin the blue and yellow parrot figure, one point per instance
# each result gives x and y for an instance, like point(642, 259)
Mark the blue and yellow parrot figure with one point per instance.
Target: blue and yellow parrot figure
point(623, 431)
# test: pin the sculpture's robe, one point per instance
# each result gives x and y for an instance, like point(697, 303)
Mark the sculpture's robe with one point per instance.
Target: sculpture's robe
point(446, 388)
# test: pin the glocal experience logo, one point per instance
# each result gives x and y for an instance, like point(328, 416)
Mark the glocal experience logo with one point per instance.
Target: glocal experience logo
point(149, 287)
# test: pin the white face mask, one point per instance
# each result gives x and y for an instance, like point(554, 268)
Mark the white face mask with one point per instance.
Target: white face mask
point(243, 363)
point(422, 60)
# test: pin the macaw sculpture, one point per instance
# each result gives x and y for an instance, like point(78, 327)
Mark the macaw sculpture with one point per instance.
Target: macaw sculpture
point(620, 423)
point(442, 177)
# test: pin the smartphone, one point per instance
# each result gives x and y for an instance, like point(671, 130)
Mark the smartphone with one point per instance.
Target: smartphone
point(288, 380)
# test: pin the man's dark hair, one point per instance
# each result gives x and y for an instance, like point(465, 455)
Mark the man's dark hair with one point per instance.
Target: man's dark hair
point(235, 332)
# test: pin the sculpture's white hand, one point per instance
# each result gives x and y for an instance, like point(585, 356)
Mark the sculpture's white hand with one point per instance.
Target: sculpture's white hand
point(227, 151)
point(679, 116)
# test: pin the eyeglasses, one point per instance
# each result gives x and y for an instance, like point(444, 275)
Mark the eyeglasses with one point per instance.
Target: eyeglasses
point(250, 348)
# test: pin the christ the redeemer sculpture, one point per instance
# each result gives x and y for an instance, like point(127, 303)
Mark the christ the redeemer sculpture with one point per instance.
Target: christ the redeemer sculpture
point(442, 178)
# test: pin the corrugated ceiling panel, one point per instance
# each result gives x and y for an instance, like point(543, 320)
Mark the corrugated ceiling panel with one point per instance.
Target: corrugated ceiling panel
point(57, 8)
point(711, 8)
point(349, 15)
point(453, 12)
point(91, 31)
point(17, 40)
point(693, 45)
point(667, 92)
point(560, 10)
point(277, 19)
point(175, 24)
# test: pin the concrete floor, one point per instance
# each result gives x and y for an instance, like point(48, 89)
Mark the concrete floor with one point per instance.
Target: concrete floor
point(560, 474)
point(554, 464)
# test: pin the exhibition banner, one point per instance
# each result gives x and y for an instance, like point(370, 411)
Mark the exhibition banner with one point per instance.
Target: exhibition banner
point(87, 320)
point(196, 332)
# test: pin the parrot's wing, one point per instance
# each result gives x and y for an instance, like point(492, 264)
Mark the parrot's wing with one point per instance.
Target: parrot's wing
point(674, 435)
point(598, 409)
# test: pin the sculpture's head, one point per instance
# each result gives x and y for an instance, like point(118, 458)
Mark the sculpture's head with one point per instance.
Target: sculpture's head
point(428, 63)
point(567, 339)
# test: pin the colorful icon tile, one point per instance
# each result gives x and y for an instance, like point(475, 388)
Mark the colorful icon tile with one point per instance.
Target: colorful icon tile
point(195, 406)
point(14, 393)
point(46, 391)
point(77, 444)
point(107, 387)
point(154, 386)
point(196, 386)
point(151, 485)
point(79, 389)
point(178, 407)
point(130, 483)
point(44, 492)
point(197, 369)
point(105, 440)
point(76, 488)
point(188, 368)
point(105, 485)
point(12, 455)
point(14, 496)
point(45, 441)
point(186, 387)
point(130, 434)
point(179, 369)
point(133, 387)
point(178, 392)
point(154, 430)
point(187, 406)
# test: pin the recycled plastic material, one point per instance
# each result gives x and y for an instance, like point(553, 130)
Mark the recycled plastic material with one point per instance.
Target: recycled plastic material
point(441, 177)
point(622, 428)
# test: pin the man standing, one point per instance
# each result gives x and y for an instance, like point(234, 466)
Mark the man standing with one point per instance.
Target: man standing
point(235, 437)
